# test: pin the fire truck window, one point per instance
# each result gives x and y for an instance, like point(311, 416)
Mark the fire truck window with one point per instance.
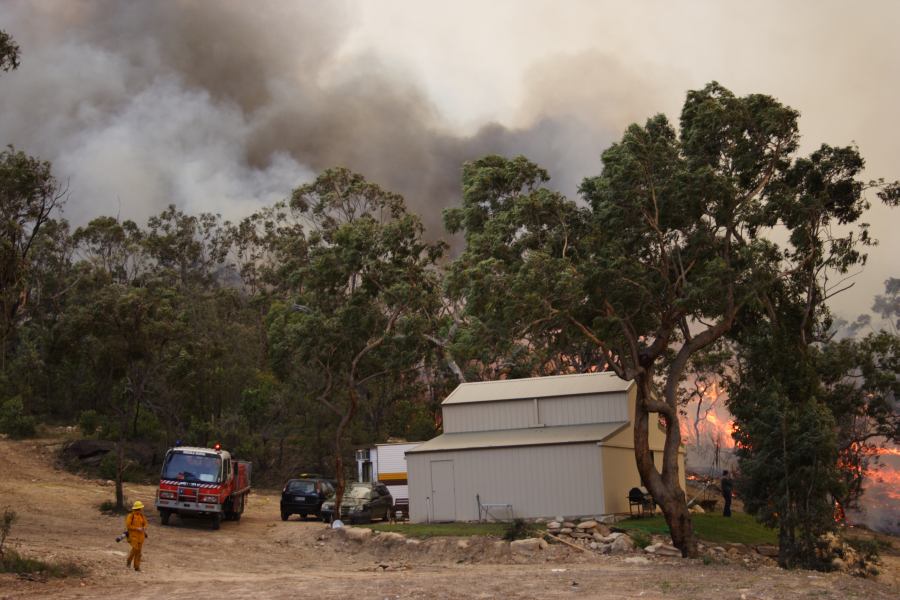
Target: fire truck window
point(192, 467)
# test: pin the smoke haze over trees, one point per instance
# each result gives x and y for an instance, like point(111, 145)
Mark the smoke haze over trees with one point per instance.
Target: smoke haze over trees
point(143, 104)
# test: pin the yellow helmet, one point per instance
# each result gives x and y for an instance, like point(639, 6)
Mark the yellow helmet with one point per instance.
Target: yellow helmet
point(137, 505)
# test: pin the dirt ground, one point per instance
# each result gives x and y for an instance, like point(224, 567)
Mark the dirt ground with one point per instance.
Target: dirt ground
point(263, 557)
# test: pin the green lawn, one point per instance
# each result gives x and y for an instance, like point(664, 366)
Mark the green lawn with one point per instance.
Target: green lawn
point(738, 528)
point(426, 530)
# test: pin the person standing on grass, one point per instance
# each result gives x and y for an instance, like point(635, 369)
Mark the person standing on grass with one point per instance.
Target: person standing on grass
point(136, 525)
point(727, 487)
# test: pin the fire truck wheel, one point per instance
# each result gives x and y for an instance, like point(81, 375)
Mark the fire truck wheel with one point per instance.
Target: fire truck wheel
point(217, 521)
point(285, 516)
point(164, 516)
point(236, 517)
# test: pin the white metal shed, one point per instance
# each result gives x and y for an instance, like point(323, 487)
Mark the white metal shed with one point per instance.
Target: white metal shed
point(546, 446)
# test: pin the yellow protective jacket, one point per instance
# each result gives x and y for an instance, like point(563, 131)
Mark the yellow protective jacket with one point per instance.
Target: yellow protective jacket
point(135, 522)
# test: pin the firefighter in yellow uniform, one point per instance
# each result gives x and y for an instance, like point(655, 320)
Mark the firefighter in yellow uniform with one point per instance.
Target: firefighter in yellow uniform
point(136, 524)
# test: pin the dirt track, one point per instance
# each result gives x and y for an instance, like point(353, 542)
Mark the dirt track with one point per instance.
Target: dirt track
point(262, 557)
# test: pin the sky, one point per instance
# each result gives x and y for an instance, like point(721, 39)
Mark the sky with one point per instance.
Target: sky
point(226, 106)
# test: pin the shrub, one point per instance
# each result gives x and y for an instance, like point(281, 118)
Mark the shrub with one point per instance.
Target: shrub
point(6, 523)
point(13, 562)
point(519, 529)
point(109, 507)
point(14, 421)
point(640, 538)
point(868, 549)
point(89, 422)
point(109, 464)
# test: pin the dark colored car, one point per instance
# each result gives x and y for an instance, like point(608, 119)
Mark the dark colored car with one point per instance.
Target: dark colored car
point(362, 502)
point(304, 497)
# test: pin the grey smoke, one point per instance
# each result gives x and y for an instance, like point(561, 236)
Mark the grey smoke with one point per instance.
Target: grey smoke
point(224, 107)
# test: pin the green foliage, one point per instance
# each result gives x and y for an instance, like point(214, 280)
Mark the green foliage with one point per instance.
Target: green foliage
point(109, 468)
point(14, 421)
point(740, 528)
point(640, 538)
point(868, 549)
point(519, 529)
point(90, 422)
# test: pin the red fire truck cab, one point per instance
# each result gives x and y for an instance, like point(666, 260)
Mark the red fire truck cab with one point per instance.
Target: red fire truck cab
point(202, 482)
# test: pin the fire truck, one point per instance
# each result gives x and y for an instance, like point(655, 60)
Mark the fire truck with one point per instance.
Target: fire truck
point(203, 482)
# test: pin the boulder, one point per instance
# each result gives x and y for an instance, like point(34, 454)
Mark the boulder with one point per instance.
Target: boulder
point(621, 545)
point(566, 530)
point(554, 525)
point(568, 525)
point(580, 534)
point(357, 534)
point(587, 525)
point(697, 509)
point(662, 550)
point(462, 544)
point(608, 539)
point(83, 449)
point(610, 519)
point(413, 543)
point(389, 538)
point(765, 550)
point(527, 546)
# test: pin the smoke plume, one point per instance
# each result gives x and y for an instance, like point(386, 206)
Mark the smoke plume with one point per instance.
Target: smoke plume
point(226, 106)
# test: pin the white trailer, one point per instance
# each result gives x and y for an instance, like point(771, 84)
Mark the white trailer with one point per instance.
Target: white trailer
point(387, 463)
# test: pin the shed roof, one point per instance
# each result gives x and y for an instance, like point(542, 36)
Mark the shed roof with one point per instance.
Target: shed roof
point(532, 436)
point(537, 387)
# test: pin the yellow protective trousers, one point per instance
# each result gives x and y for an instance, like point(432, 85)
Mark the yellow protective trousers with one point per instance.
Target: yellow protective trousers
point(135, 554)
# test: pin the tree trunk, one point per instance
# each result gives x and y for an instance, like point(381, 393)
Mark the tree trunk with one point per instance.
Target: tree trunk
point(338, 449)
point(338, 474)
point(664, 487)
point(120, 468)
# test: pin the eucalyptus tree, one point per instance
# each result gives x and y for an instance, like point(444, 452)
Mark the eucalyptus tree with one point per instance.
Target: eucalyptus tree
point(671, 248)
point(29, 196)
point(360, 296)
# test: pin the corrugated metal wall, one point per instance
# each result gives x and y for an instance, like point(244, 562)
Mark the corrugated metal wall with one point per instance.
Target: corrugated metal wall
point(488, 416)
point(519, 414)
point(539, 481)
point(578, 410)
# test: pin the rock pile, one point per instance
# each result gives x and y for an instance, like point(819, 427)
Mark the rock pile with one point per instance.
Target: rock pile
point(842, 557)
point(591, 535)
